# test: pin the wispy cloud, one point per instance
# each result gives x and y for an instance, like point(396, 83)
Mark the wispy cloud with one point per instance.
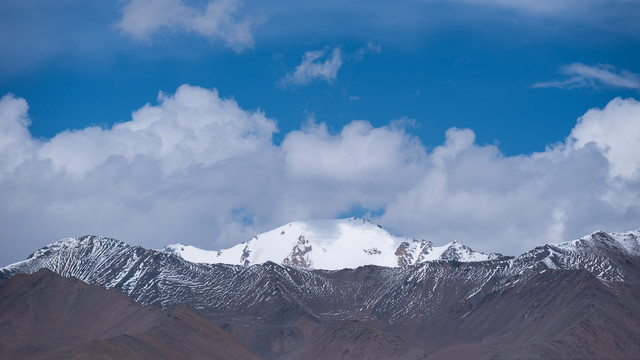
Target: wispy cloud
point(371, 48)
point(594, 76)
point(320, 64)
point(544, 6)
point(374, 47)
point(141, 19)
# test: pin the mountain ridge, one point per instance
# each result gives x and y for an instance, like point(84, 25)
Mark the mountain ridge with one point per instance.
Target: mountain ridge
point(439, 306)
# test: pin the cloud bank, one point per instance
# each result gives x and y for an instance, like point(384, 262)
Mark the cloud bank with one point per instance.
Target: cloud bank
point(199, 169)
point(141, 19)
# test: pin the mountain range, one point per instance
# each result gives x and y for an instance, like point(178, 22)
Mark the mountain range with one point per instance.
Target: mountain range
point(346, 289)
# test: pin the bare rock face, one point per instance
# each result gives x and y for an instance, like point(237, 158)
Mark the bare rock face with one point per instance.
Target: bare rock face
point(245, 256)
point(416, 253)
point(403, 254)
point(425, 249)
point(297, 255)
point(372, 251)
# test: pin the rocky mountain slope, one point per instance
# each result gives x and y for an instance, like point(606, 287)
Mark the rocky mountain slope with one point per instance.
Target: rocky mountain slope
point(46, 316)
point(578, 299)
point(331, 245)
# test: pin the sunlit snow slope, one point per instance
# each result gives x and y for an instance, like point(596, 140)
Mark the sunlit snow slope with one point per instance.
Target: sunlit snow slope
point(331, 245)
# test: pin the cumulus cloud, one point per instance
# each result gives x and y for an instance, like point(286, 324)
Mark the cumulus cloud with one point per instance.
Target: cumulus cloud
point(320, 64)
point(615, 130)
point(359, 153)
point(594, 76)
point(141, 19)
point(587, 183)
point(200, 169)
point(16, 145)
point(192, 127)
point(475, 194)
point(184, 169)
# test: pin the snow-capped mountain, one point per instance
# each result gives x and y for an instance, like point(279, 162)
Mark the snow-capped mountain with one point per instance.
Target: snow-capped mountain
point(604, 255)
point(331, 245)
point(554, 294)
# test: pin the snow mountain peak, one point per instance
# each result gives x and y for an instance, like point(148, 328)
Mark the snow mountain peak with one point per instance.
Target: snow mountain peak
point(75, 242)
point(628, 242)
point(331, 245)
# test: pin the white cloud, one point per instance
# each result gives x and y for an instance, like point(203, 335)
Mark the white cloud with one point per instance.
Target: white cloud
point(321, 64)
point(476, 194)
point(199, 169)
point(360, 153)
point(615, 130)
point(141, 19)
point(581, 75)
point(192, 127)
point(183, 169)
point(16, 145)
point(324, 65)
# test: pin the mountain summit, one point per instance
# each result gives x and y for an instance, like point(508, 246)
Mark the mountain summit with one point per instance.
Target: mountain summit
point(331, 245)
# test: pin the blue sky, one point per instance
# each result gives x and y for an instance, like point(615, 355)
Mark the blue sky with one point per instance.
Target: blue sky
point(377, 85)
